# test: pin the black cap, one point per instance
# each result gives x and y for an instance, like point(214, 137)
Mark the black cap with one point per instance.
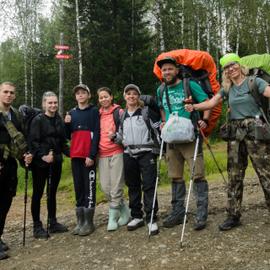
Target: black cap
point(166, 60)
point(81, 86)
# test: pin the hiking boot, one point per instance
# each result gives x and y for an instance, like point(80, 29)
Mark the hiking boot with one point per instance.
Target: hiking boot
point(199, 225)
point(172, 220)
point(4, 245)
point(229, 223)
point(38, 231)
point(88, 225)
point(124, 215)
point(56, 227)
point(80, 220)
point(114, 214)
point(3, 254)
point(135, 223)
point(154, 228)
point(177, 214)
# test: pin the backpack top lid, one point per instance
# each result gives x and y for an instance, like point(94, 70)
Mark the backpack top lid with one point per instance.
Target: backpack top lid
point(194, 59)
point(28, 113)
point(261, 61)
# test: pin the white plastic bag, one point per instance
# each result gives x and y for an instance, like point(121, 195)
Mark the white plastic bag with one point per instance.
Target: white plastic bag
point(178, 130)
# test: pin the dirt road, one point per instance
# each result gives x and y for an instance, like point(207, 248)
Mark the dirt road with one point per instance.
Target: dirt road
point(244, 248)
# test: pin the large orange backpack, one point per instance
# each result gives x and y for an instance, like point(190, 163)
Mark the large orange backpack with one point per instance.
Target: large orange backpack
point(200, 67)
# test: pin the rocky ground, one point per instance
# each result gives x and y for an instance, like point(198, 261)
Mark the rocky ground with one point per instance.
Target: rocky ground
point(246, 247)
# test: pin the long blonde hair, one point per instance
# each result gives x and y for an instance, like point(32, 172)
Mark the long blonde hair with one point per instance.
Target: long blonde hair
point(227, 82)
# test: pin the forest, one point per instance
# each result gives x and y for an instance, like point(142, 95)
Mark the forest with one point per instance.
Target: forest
point(115, 42)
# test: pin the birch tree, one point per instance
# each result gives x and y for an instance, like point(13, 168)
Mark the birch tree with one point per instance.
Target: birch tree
point(79, 41)
point(26, 18)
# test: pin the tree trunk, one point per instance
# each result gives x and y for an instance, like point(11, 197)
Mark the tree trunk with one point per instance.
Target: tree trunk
point(79, 42)
point(183, 24)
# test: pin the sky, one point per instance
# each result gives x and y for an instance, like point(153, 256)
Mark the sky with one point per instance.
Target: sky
point(6, 22)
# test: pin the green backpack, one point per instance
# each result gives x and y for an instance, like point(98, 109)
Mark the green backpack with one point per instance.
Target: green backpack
point(18, 145)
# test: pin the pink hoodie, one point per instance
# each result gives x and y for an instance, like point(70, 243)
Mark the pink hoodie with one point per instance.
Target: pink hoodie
point(107, 147)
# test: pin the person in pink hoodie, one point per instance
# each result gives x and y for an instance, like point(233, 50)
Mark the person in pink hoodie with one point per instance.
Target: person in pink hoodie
point(111, 166)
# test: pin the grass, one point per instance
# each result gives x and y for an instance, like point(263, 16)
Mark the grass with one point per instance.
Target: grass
point(211, 171)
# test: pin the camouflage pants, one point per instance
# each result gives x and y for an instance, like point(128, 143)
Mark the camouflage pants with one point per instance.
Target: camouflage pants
point(238, 153)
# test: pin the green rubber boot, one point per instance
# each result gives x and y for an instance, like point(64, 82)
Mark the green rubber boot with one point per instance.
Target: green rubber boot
point(114, 214)
point(124, 215)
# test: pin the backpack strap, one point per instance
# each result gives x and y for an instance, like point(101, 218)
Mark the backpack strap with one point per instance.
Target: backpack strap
point(194, 115)
point(121, 119)
point(254, 91)
point(168, 99)
point(161, 92)
point(152, 130)
point(116, 118)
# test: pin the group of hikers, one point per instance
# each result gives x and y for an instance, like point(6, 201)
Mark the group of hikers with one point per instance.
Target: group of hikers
point(124, 144)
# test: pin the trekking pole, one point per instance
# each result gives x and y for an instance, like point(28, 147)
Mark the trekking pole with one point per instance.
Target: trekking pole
point(213, 156)
point(156, 185)
point(25, 202)
point(49, 193)
point(190, 187)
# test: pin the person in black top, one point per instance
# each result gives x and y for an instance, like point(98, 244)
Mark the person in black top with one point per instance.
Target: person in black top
point(8, 164)
point(47, 143)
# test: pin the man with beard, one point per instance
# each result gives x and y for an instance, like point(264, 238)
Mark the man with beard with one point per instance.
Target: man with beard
point(171, 96)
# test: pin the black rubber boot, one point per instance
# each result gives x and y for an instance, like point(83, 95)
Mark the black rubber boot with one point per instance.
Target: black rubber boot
point(200, 189)
point(177, 214)
point(88, 226)
point(38, 231)
point(3, 254)
point(56, 227)
point(80, 220)
point(229, 223)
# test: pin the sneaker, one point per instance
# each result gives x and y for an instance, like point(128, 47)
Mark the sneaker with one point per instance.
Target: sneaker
point(154, 228)
point(57, 227)
point(4, 245)
point(199, 225)
point(135, 223)
point(229, 223)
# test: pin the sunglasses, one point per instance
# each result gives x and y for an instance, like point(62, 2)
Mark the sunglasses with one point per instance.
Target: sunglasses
point(231, 64)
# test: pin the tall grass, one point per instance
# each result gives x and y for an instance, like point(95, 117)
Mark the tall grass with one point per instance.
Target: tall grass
point(211, 171)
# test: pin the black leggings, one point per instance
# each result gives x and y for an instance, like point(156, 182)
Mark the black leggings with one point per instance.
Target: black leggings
point(40, 175)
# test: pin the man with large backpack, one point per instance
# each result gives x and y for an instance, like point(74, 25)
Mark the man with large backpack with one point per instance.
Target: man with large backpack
point(172, 101)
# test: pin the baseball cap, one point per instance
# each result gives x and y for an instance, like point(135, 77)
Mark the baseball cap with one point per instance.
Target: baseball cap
point(81, 86)
point(133, 87)
point(166, 60)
